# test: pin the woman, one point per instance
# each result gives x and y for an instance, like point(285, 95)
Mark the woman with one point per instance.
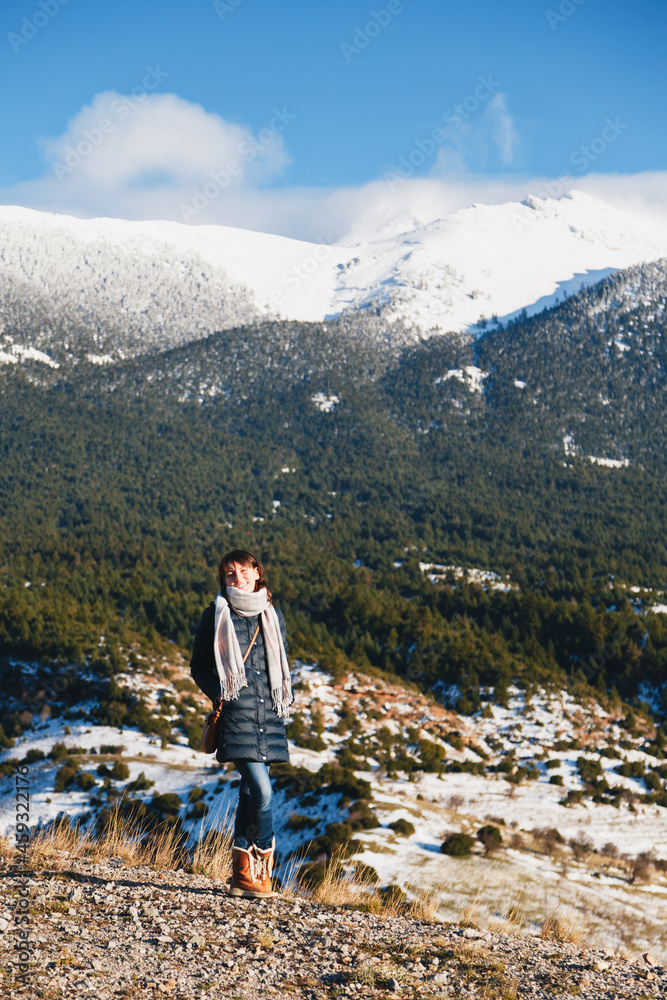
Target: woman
point(240, 655)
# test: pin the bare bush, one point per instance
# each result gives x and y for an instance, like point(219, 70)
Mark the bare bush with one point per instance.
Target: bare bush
point(640, 868)
point(581, 845)
point(549, 839)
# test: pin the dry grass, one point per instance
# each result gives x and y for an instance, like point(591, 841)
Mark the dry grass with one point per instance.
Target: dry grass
point(562, 929)
point(426, 902)
point(212, 854)
point(338, 886)
point(470, 916)
point(120, 838)
point(377, 975)
point(6, 849)
point(55, 845)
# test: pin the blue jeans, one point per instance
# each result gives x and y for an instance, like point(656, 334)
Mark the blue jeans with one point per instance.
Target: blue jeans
point(254, 813)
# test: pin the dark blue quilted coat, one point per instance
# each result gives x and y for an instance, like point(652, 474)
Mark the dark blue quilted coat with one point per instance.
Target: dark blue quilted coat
point(250, 729)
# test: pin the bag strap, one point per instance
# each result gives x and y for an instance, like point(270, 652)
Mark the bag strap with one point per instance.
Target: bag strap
point(252, 643)
point(218, 710)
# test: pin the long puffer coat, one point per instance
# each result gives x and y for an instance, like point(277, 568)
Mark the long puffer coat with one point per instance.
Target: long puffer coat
point(250, 729)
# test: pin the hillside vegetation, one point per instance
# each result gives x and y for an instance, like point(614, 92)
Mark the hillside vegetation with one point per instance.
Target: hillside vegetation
point(348, 457)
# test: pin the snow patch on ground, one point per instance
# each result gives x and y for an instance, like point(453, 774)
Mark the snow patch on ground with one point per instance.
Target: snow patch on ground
point(470, 376)
point(484, 577)
point(325, 403)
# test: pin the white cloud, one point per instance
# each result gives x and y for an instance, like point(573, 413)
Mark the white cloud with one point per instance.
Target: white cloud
point(489, 139)
point(503, 130)
point(119, 148)
point(157, 152)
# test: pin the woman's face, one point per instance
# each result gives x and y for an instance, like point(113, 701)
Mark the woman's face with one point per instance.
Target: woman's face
point(241, 577)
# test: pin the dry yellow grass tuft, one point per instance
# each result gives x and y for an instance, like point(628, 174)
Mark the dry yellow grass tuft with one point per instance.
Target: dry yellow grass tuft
point(562, 929)
point(212, 854)
point(121, 838)
point(337, 885)
point(340, 887)
point(53, 845)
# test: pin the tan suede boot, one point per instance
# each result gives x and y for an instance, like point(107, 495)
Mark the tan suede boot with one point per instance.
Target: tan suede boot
point(245, 876)
point(264, 867)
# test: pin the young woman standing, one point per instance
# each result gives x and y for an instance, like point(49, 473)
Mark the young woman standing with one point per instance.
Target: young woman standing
point(240, 656)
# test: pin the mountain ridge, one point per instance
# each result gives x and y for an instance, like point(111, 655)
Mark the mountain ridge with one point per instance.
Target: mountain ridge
point(122, 288)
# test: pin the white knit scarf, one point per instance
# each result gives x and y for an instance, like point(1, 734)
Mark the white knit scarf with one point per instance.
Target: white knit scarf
point(228, 659)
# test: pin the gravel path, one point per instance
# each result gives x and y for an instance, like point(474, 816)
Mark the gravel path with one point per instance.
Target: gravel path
point(109, 930)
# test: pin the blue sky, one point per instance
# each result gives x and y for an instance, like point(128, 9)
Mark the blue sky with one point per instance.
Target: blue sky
point(570, 87)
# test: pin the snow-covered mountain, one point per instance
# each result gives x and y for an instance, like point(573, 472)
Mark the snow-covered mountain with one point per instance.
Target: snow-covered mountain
point(115, 287)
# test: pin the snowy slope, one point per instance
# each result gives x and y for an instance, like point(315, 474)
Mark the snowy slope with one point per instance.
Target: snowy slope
point(593, 890)
point(149, 285)
point(495, 260)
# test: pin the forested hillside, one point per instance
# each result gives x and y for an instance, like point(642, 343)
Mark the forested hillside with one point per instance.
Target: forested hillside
point(346, 455)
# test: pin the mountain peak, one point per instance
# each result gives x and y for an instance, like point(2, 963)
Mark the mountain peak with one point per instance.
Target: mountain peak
point(165, 283)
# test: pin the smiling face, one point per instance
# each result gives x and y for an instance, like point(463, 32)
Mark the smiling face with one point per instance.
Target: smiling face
point(240, 576)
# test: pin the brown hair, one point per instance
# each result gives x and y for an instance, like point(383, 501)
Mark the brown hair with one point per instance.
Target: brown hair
point(245, 559)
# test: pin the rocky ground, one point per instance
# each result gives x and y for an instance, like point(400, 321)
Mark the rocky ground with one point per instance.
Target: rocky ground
point(110, 930)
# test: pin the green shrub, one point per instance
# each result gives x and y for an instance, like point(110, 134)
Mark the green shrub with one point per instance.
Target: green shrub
point(32, 756)
point(631, 769)
point(198, 810)
point(652, 781)
point(457, 845)
point(337, 838)
point(465, 766)
point(85, 780)
point(556, 779)
point(120, 771)
point(362, 816)
point(66, 776)
point(491, 837)
point(57, 751)
point(365, 873)
point(298, 823)
point(302, 736)
point(347, 758)
point(139, 784)
point(330, 779)
point(109, 748)
point(6, 742)
point(196, 794)
point(590, 770)
point(402, 827)
point(168, 802)
point(432, 756)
